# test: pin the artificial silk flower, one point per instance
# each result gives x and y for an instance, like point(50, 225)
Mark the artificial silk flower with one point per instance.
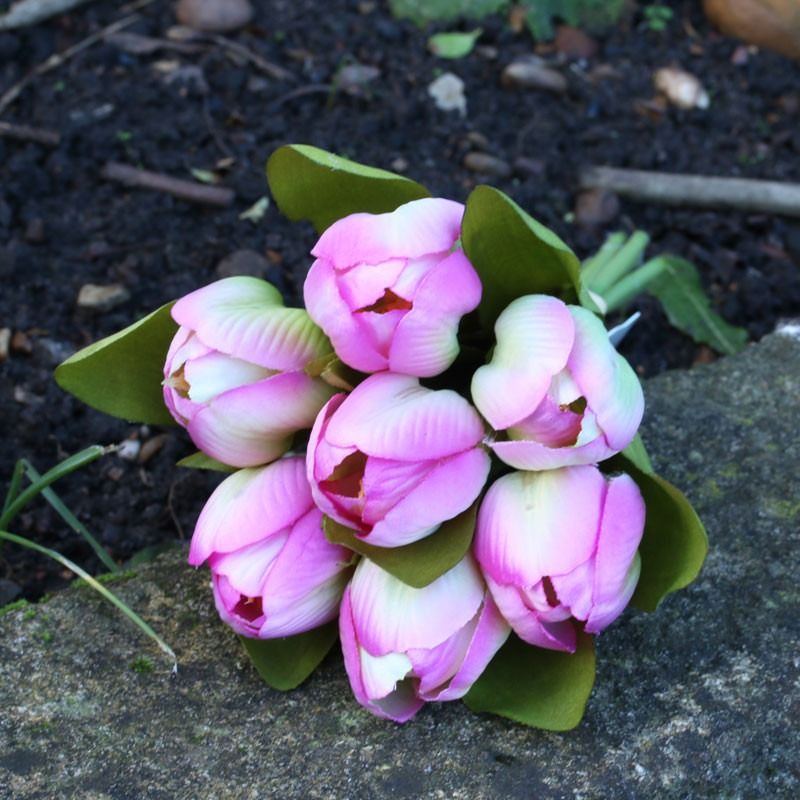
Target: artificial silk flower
point(404, 646)
point(560, 545)
point(234, 372)
point(273, 571)
point(556, 388)
point(389, 289)
point(393, 460)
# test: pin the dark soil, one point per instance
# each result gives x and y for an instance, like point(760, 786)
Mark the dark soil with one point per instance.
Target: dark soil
point(62, 225)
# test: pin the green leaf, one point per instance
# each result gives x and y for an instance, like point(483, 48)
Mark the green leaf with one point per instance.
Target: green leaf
point(513, 254)
point(334, 372)
point(200, 460)
point(285, 663)
point(637, 453)
point(121, 374)
point(688, 308)
point(424, 11)
point(674, 544)
point(418, 563)
point(453, 45)
point(309, 183)
point(537, 687)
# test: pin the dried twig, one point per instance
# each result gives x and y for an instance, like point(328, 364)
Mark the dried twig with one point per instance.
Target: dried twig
point(186, 190)
point(312, 88)
point(28, 134)
point(267, 67)
point(29, 12)
point(57, 59)
point(697, 190)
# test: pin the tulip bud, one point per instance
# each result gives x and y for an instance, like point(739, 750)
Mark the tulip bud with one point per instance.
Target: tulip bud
point(394, 460)
point(389, 289)
point(234, 372)
point(560, 545)
point(556, 387)
point(404, 646)
point(273, 571)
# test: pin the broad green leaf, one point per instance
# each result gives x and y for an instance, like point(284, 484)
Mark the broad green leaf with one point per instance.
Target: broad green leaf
point(688, 308)
point(637, 453)
point(285, 663)
point(537, 687)
point(121, 374)
point(418, 563)
point(513, 254)
point(200, 460)
point(453, 45)
point(424, 11)
point(309, 183)
point(674, 544)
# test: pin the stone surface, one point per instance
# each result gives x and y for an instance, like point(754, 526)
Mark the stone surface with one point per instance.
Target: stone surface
point(700, 699)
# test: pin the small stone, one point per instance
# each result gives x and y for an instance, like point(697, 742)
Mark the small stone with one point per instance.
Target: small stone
point(487, 165)
point(354, 77)
point(681, 88)
point(399, 164)
point(530, 74)
point(574, 43)
point(478, 140)
point(151, 447)
point(115, 473)
point(34, 231)
point(243, 262)
point(102, 298)
point(595, 208)
point(529, 167)
point(447, 92)
point(20, 343)
point(5, 343)
point(9, 592)
point(129, 449)
point(215, 16)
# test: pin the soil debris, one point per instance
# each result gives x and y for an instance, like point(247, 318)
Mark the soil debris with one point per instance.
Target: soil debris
point(531, 74)
point(93, 297)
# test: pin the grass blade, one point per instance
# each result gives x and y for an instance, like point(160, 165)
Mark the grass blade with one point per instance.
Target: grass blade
point(98, 587)
point(627, 258)
point(13, 487)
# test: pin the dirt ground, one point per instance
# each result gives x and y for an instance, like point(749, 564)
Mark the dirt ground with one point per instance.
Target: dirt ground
point(62, 225)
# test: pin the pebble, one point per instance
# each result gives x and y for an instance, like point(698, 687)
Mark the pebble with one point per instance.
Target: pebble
point(487, 165)
point(20, 343)
point(102, 298)
point(447, 92)
point(5, 342)
point(595, 208)
point(529, 74)
point(574, 43)
point(681, 88)
point(243, 262)
point(151, 447)
point(529, 167)
point(128, 450)
point(215, 16)
point(353, 77)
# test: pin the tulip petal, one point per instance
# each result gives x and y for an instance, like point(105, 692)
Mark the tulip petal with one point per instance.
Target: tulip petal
point(535, 524)
point(364, 284)
point(246, 568)
point(530, 455)
point(245, 317)
point(430, 225)
point(606, 380)
point(254, 424)
point(352, 343)
point(392, 416)
point(392, 617)
point(215, 373)
point(251, 505)
point(534, 338)
point(448, 489)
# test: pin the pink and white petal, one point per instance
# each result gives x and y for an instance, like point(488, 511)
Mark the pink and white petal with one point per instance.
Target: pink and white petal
point(392, 416)
point(603, 615)
point(533, 456)
point(386, 482)
point(215, 373)
point(379, 329)
point(246, 569)
point(423, 345)
point(607, 381)
point(364, 284)
point(430, 225)
point(535, 524)
point(448, 489)
point(251, 505)
point(392, 617)
point(226, 598)
point(327, 308)
point(549, 425)
point(534, 338)
point(451, 288)
point(245, 317)
point(183, 345)
point(415, 270)
point(304, 585)
point(526, 623)
point(434, 667)
point(254, 424)
point(489, 636)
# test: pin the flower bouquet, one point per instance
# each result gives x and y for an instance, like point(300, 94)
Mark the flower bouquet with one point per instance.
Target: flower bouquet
point(435, 461)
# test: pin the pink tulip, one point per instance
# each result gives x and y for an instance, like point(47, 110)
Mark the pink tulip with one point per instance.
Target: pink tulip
point(560, 545)
point(556, 387)
point(234, 372)
point(393, 460)
point(273, 571)
point(389, 289)
point(404, 646)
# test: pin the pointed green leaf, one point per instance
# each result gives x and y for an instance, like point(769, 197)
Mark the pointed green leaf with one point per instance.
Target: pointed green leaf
point(309, 183)
point(637, 453)
point(285, 663)
point(674, 544)
point(200, 460)
point(418, 563)
point(455, 44)
point(513, 254)
point(121, 374)
point(680, 292)
point(537, 687)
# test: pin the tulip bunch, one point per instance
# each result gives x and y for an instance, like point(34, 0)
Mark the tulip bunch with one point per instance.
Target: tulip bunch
point(394, 459)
